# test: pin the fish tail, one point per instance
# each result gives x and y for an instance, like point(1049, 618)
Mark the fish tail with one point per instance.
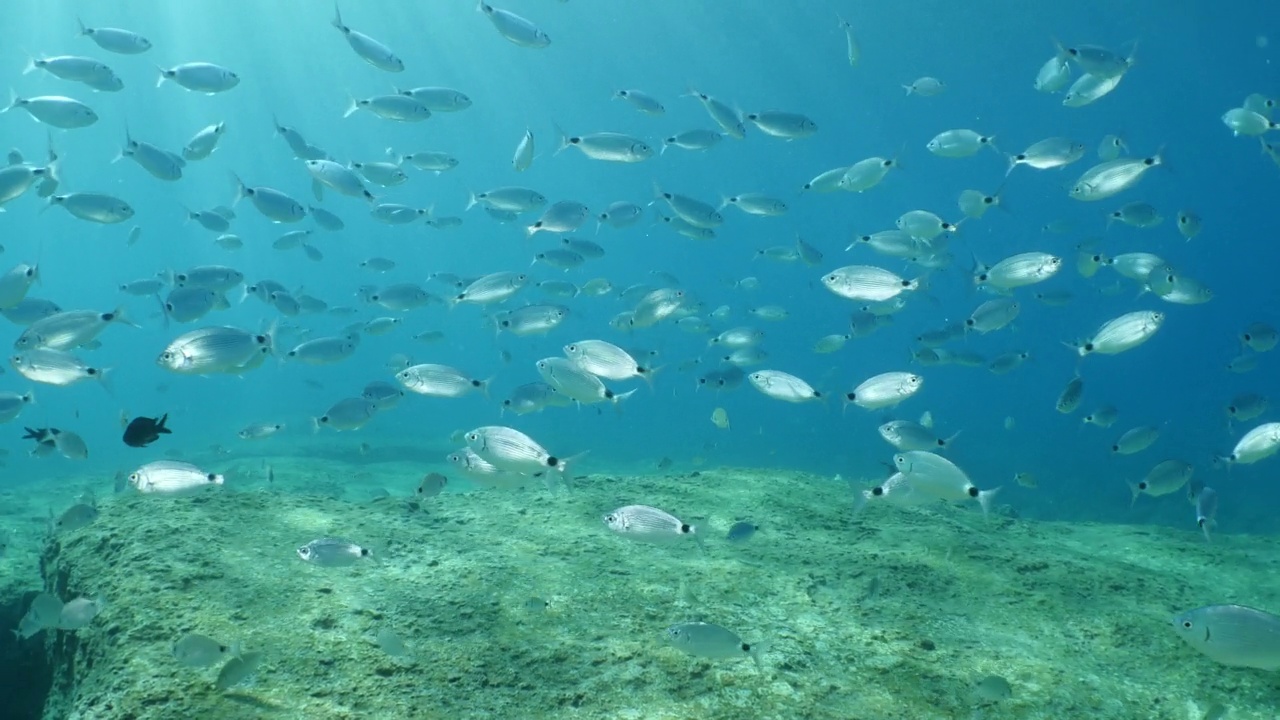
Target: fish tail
point(562, 139)
point(984, 499)
point(13, 101)
point(756, 651)
point(242, 190)
point(352, 105)
point(337, 19)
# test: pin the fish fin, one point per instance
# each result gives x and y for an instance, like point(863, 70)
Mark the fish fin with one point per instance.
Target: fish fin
point(352, 105)
point(984, 499)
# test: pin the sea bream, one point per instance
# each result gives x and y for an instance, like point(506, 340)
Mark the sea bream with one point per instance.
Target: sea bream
point(170, 477)
point(511, 450)
point(937, 476)
point(219, 349)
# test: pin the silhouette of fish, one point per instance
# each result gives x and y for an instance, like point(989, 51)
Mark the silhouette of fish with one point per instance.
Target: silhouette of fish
point(142, 431)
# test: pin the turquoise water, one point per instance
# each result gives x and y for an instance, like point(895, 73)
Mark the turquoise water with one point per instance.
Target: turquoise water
point(1191, 64)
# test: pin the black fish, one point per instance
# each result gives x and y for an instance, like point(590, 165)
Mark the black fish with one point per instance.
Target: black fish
point(44, 437)
point(143, 431)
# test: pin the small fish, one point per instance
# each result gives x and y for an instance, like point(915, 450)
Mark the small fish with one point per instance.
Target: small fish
point(258, 431)
point(1103, 417)
point(164, 476)
point(713, 642)
point(237, 670)
point(649, 524)
point(742, 531)
point(1165, 478)
point(1207, 510)
point(925, 87)
point(198, 651)
point(1026, 480)
point(432, 485)
point(142, 431)
point(333, 552)
point(80, 612)
point(720, 418)
point(1136, 440)
point(992, 689)
point(665, 463)
point(391, 643)
point(75, 517)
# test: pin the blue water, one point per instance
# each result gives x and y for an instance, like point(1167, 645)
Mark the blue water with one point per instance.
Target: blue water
point(1193, 62)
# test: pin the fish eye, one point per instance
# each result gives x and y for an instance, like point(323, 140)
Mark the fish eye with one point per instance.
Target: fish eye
point(1186, 624)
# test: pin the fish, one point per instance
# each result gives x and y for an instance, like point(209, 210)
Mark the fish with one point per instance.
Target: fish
point(440, 381)
point(391, 643)
point(432, 484)
point(742, 531)
point(116, 40)
point(1259, 443)
point(142, 431)
point(1123, 333)
point(368, 49)
point(238, 669)
point(78, 613)
point(75, 517)
point(884, 390)
point(198, 651)
point(1232, 635)
point(1207, 510)
point(1167, 477)
point(201, 77)
point(509, 449)
point(170, 477)
point(646, 524)
point(925, 86)
point(333, 552)
point(783, 386)
point(350, 413)
point(514, 28)
point(1135, 440)
point(713, 642)
point(936, 476)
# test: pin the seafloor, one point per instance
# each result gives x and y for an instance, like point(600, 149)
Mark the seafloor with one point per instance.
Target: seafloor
point(895, 616)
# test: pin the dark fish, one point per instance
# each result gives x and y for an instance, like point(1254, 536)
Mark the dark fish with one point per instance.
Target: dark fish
point(742, 531)
point(44, 437)
point(143, 431)
point(665, 463)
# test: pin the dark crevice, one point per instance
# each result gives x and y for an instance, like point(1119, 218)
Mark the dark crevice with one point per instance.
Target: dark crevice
point(26, 676)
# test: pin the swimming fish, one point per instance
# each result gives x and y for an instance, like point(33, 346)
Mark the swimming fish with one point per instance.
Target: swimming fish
point(713, 642)
point(197, 651)
point(643, 523)
point(333, 552)
point(1232, 635)
point(142, 431)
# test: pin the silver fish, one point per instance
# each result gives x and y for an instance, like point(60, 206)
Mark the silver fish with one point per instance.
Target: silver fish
point(1232, 635)
point(711, 641)
point(333, 552)
point(167, 476)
